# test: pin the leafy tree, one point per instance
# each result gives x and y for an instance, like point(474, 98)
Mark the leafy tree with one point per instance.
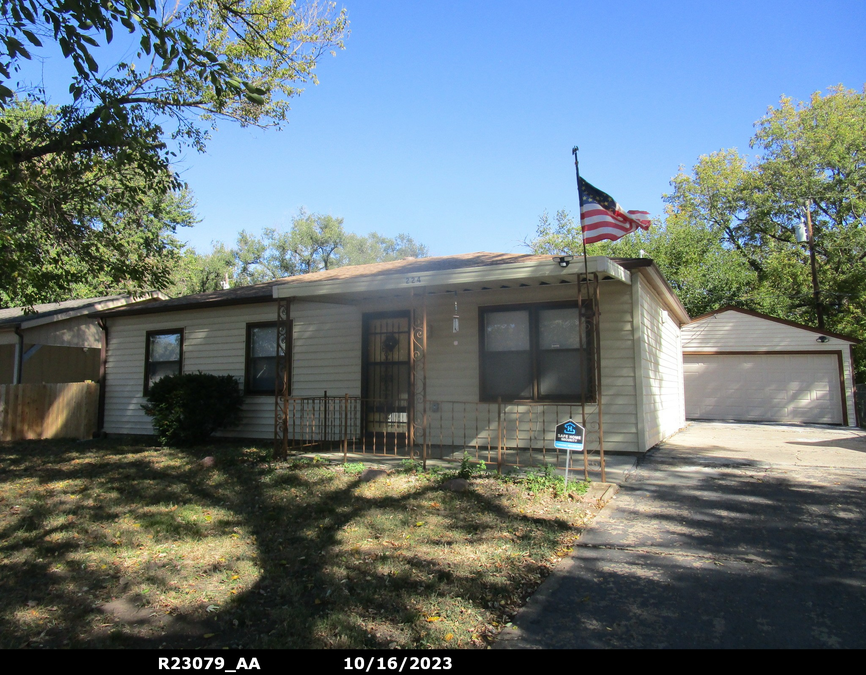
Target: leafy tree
point(81, 226)
point(374, 247)
point(314, 243)
point(308, 247)
point(241, 59)
point(812, 151)
point(196, 273)
point(729, 231)
point(704, 273)
point(192, 64)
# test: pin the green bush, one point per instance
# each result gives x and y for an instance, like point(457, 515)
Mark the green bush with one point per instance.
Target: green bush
point(468, 469)
point(188, 408)
point(410, 466)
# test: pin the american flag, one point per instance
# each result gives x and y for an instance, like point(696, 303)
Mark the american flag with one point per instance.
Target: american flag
point(602, 218)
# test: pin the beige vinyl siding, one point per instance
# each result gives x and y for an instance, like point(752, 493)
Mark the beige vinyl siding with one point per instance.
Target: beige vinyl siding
point(325, 340)
point(327, 357)
point(327, 349)
point(663, 397)
point(733, 331)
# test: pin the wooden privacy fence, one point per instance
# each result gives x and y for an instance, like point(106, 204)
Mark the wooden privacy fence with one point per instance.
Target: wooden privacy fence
point(33, 411)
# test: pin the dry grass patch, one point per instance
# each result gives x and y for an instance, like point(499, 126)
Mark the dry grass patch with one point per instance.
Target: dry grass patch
point(107, 545)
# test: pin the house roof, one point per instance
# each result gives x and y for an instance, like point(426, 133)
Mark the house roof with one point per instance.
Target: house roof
point(20, 317)
point(263, 292)
point(359, 277)
point(767, 317)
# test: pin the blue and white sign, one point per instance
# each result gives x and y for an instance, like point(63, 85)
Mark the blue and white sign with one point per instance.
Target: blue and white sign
point(569, 436)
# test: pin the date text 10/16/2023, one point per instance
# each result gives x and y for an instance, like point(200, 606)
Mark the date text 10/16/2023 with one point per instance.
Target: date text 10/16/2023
point(399, 664)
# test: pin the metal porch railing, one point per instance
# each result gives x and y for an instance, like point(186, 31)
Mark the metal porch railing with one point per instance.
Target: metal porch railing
point(501, 434)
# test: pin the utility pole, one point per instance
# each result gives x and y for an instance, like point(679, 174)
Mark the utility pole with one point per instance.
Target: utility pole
point(815, 290)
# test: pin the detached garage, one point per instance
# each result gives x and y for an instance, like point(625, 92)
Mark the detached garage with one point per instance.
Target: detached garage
point(745, 366)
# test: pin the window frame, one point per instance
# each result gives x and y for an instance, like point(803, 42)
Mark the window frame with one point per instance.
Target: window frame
point(534, 310)
point(153, 333)
point(248, 357)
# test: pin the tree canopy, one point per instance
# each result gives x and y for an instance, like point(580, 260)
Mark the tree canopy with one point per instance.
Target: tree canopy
point(728, 235)
point(82, 226)
point(313, 243)
point(239, 59)
point(111, 146)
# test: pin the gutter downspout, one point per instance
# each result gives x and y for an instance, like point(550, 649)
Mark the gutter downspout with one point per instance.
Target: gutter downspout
point(103, 354)
point(18, 367)
point(638, 339)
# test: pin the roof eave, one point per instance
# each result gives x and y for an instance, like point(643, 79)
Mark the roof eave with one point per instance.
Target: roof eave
point(422, 279)
point(95, 309)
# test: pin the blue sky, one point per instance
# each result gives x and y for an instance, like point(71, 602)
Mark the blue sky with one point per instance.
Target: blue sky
point(454, 121)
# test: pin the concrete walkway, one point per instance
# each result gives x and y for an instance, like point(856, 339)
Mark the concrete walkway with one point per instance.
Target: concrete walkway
point(728, 535)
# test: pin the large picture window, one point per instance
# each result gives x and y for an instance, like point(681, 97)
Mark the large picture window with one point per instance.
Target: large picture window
point(534, 353)
point(163, 355)
point(261, 366)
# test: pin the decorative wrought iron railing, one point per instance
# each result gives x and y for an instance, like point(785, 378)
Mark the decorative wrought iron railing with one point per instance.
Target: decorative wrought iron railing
point(501, 434)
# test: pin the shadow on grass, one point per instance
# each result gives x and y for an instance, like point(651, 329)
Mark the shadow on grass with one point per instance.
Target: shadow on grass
point(109, 545)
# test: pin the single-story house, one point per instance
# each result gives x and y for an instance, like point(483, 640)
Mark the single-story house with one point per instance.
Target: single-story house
point(56, 342)
point(745, 366)
point(452, 350)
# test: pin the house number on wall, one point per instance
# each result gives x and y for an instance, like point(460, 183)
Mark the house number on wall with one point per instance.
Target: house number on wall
point(413, 280)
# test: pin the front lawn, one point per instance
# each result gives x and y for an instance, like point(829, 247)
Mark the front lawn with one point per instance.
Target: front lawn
point(113, 545)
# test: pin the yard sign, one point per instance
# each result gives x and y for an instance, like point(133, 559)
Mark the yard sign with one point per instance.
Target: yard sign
point(569, 436)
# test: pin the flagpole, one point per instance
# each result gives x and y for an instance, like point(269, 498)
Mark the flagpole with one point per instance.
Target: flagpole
point(581, 323)
point(597, 329)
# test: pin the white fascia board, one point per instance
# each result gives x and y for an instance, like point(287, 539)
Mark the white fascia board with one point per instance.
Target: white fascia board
point(469, 275)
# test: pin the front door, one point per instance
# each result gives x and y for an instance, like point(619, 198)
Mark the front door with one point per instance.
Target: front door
point(387, 360)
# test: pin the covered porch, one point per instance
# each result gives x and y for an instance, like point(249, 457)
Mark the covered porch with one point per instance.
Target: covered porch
point(438, 368)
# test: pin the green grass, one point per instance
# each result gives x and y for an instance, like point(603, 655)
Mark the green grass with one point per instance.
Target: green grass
point(110, 545)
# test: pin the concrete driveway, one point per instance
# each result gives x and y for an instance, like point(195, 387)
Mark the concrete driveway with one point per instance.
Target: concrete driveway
point(727, 535)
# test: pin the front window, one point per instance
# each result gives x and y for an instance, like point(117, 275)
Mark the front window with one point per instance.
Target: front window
point(261, 370)
point(164, 355)
point(535, 353)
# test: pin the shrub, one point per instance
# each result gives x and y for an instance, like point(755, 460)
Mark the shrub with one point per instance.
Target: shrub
point(353, 468)
point(188, 408)
point(468, 469)
point(410, 466)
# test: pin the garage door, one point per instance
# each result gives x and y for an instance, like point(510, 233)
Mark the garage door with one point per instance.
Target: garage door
point(763, 388)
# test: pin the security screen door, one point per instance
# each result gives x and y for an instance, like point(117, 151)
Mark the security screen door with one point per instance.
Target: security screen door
point(387, 360)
